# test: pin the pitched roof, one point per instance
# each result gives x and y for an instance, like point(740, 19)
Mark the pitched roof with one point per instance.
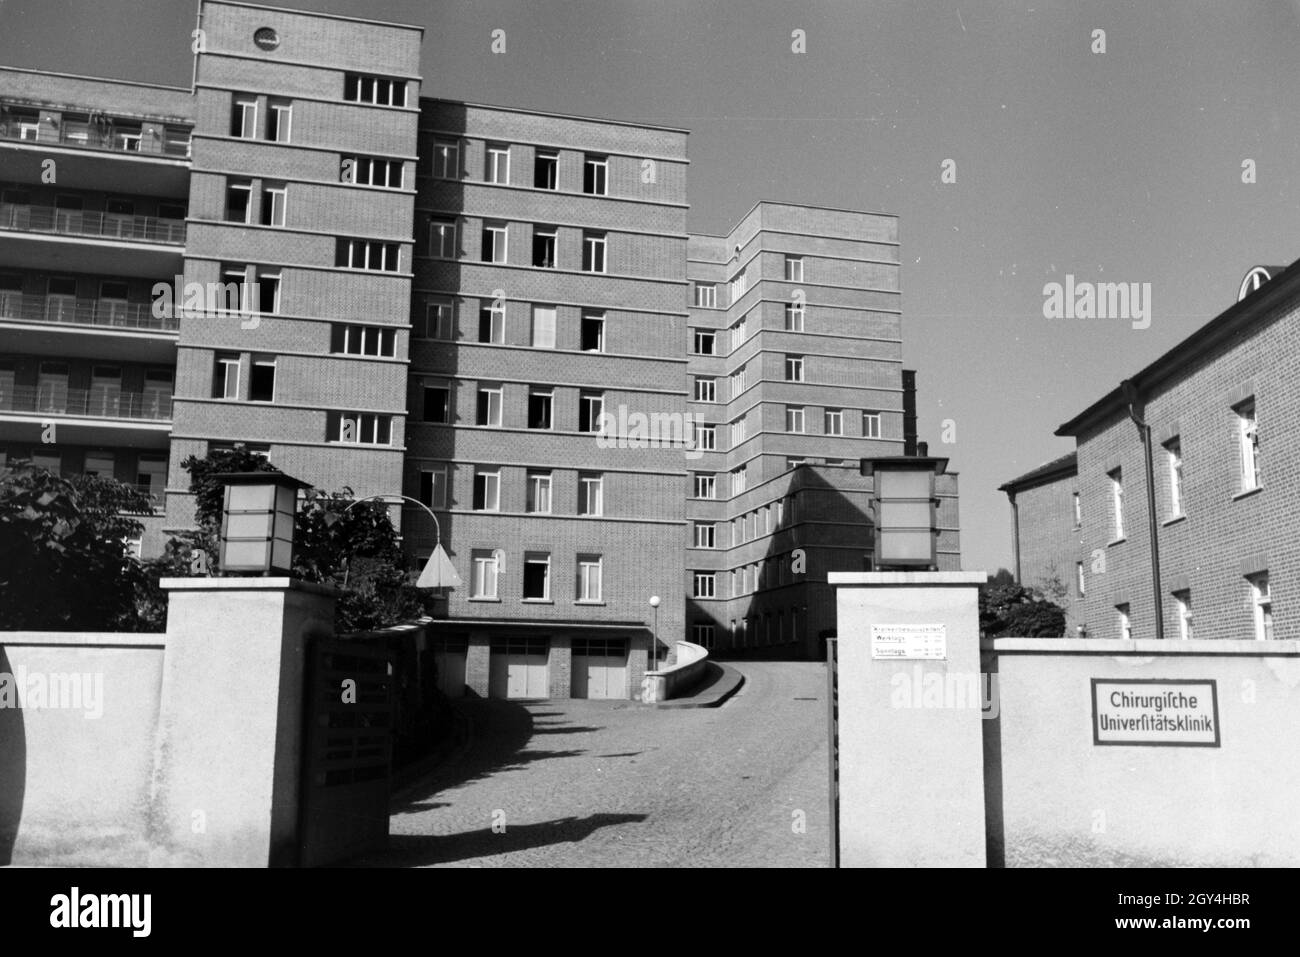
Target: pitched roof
point(1067, 464)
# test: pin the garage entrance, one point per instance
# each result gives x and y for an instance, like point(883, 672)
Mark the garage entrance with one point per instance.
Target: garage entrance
point(599, 668)
point(517, 668)
point(450, 653)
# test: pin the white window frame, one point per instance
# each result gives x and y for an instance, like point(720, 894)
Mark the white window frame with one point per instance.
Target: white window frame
point(706, 389)
point(227, 363)
point(495, 401)
point(442, 241)
point(795, 419)
point(599, 319)
point(833, 422)
point(1248, 443)
point(595, 403)
point(497, 160)
point(247, 108)
point(794, 316)
point(445, 155)
point(537, 558)
point(538, 491)
point(593, 243)
point(599, 167)
point(1125, 621)
point(794, 269)
point(1261, 599)
point(706, 295)
point(542, 335)
point(704, 584)
point(704, 486)
point(500, 233)
point(706, 437)
point(486, 571)
point(794, 368)
point(871, 425)
point(1080, 582)
point(437, 485)
point(490, 479)
point(1183, 601)
point(1174, 456)
point(1116, 477)
point(591, 494)
point(591, 579)
point(440, 319)
point(282, 112)
point(278, 198)
point(706, 535)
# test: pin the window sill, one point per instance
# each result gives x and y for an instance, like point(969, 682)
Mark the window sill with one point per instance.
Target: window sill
point(1174, 520)
point(538, 601)
point(590, 603)
point(1247, 493)
point(490, 600)
point(1117, 541)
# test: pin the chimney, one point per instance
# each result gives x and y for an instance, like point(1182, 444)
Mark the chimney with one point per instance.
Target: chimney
point(909, 411)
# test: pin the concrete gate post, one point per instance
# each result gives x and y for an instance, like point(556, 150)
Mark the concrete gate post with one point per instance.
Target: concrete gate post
point(911, 765)
point(228, 762)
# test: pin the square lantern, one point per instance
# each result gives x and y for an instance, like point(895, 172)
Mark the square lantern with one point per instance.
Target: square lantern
point(257, 520)
point(907, 528)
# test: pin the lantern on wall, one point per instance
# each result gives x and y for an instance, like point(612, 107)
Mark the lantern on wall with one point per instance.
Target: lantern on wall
point(907, 528)
point(257, 521)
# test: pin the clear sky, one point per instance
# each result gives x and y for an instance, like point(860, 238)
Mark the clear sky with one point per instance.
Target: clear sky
point(1122, 166)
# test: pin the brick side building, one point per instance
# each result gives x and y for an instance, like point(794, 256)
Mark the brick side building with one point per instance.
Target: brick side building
point(1046, 527)
point(1224, 412)
point(477, 307)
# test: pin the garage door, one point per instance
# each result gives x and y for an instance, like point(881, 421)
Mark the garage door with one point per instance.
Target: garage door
point(517, 668)
point(600, 668)
point(449, 654)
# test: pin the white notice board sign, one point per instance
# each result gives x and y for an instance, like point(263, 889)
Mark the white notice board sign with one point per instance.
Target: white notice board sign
point(909, 641)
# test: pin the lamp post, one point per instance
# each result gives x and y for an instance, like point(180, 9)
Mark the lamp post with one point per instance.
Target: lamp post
point(654, 638)
point(438, 570)
point(907, 533)
point(257, 520)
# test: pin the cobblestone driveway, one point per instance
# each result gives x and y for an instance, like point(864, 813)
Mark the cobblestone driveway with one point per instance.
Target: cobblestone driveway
point(615, 784)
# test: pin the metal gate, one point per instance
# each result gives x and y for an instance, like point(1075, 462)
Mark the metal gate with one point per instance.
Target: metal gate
point(347, 750)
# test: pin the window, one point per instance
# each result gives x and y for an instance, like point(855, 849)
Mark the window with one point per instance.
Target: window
point(372, 171)
point(268, 292)
point(794, 368)
point(595, 175)
point(489, 406)
point(243, 118)
point(706, 437)
point(1174, 453)
point(483, 583)
point(593, 252)
point(539, 408)
point(543, 327)
point(439, 320)
point(705, 534)
point(225, 378)
point(367, 254)
point(1117, 501)
point(706, 485)
point(739, 480)
point(498, 165)
point(705, 585)
point(538, 492)
point(590, 494)
point(437, 403)
point(593, 332)
point(446, 159)
point(487, 491)
point(739, 283)
point(1248, 440)
point(433, 486)
point(702, 635)
point(544, 248)
point(589, 578)
point(545, 166)
point(705, 342)
point(238, 200)
point(537, 576)
point(706, 389)
point(871, 425)
point(234, 292)
point(591, 412)
point(442, 238)
point(492, 323)
point(261, 383)
point(1079, 583)
point(706, 295)
point(739, 431)
point(494, 243)
point(279, 118)
point(794, 418)
point(359, 428)
point(1184, 602)
point(1262, 601)
point(794, 269)
point(373, 90)
point(1078, 511)
point(364, 340)
point(738, 334)
point(794, 317)
point(833, 422)
point(738, 381)
point(1125, 622)
point(274, 199)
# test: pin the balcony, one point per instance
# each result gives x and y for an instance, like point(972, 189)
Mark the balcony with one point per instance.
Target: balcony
point(102, 329)
point(102, 133)
point(86, 403)
point(108, 313)
point(49, 239)
point(77, 222)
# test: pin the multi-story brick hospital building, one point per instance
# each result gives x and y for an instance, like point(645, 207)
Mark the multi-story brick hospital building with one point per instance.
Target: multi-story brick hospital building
point(479, 307)
point(1223, 409)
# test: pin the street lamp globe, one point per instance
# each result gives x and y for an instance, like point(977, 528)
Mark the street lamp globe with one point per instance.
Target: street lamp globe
point(654, 601)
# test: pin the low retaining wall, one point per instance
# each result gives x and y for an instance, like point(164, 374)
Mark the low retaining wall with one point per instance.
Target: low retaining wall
point(1057, 796)
point(76, 760)
point(675, 680)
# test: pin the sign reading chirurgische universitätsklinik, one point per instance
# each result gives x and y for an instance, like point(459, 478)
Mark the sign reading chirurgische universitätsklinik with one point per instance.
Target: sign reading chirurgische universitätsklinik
point(1166, 711)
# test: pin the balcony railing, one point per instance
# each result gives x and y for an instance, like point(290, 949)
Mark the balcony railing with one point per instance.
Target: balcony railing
point(111, 313)
point(92, 403)
point(106, 135)
point(77, 222)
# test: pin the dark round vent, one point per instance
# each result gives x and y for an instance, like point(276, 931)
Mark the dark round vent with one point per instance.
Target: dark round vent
point(266, 38)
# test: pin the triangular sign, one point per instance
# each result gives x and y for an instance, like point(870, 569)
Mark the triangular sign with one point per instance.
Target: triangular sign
point(438, 572)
